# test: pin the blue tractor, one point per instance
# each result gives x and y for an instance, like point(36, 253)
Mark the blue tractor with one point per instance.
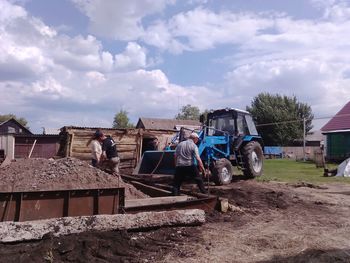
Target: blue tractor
point(227, 138)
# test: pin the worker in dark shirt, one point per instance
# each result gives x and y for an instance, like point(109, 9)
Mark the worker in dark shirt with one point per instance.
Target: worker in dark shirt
point(109, 152)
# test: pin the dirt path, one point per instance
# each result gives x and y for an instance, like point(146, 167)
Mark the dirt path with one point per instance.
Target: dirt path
point(279, 223)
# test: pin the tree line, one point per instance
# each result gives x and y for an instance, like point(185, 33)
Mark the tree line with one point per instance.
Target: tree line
point(279, 119)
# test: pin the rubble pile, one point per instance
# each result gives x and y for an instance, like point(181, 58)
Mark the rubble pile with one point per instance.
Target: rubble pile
point(67, 173)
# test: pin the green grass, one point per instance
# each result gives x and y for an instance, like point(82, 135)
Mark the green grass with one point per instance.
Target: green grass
point(285, 170)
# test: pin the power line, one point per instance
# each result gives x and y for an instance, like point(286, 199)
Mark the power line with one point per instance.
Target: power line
point(275, 123)
point(301, 120)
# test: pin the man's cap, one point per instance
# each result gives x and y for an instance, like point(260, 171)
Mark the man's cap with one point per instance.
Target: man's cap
point(98, 134)
point(194, 135)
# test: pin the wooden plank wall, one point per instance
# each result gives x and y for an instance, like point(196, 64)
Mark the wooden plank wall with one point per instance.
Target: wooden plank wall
point(129, 143)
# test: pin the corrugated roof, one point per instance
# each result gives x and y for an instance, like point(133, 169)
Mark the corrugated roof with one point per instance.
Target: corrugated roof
point(36, 135)
point(51, 131)
point(165, 124)
point(341, 121)
point(84, 128)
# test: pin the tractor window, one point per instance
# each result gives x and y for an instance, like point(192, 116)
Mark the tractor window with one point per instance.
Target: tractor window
point(241, 125)
point(251, 125)
point(222, 123)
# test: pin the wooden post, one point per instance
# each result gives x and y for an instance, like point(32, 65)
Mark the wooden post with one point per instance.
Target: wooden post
point(304, 138)
point(71, 145)
point(31, 150)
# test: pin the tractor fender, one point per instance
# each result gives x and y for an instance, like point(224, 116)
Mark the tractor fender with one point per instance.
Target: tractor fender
point(249, 138)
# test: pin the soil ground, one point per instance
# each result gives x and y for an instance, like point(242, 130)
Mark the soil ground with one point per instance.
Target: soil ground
point(278, 223)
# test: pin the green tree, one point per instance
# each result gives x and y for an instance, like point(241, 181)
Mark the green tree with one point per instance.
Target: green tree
point(205, 115)
point(6, 117)
point(121, 120)
point(188, 112)
point(279, 119)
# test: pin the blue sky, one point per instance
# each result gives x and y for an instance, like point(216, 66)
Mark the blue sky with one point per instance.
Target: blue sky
point(78, 62)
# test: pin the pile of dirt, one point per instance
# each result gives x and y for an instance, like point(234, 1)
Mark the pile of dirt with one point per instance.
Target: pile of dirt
point(254, 197)
point(67, 173)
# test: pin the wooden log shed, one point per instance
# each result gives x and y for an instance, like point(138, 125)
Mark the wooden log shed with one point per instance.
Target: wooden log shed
point(130, 143)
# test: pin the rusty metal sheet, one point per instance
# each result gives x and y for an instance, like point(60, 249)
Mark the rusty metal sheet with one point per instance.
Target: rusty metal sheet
point(24, 206)
point(81, 203)
point(108, 201)
point(41, 205)
point(9, 207)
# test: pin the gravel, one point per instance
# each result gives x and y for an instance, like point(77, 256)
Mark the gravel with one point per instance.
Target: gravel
point(62, 174)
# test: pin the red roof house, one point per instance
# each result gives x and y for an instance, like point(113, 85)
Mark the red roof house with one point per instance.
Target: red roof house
point(340, 122)
point(337, 131)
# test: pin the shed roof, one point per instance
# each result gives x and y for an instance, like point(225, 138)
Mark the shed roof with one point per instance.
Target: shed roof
point(314, 136)
point(51, 131)
point(164, 124)
point(340, 122)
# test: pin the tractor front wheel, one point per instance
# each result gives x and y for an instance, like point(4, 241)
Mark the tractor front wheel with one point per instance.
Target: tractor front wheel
point(222, 172)
point(253, 159)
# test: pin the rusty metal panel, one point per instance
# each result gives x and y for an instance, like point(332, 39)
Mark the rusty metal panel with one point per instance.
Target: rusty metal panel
point(9, 207)
point(108, 203)
point(81, 203)
point(41, 205)
point(24, 206)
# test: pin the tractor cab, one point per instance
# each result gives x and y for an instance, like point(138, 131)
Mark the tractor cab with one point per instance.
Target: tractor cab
point(231, 121)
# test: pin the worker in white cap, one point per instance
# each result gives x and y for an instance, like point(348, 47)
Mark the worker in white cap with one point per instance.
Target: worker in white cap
point(186, 160)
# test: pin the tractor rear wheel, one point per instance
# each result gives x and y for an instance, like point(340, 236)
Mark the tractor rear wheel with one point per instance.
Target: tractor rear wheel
point(222, 172)
point(253, 159)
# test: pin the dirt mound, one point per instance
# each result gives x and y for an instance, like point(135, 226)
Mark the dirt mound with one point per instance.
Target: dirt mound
point(66, 173)
point(252, 195)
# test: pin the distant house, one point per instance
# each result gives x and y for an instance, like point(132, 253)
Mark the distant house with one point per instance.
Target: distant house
point(314, 138)
point(337, 132)
point(166, 124)
point(12, 126)
point(8, 130)
point(17, 141)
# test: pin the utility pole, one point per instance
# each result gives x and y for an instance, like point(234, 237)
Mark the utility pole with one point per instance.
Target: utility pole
point(304, 138)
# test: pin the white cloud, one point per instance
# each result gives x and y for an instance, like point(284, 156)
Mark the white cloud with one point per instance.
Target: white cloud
point(119, 19)
point(53, 77)
point(96, 77)
point(318, 83)
point(73, 80)
point(48, 86)
point(9, 12)
point(202, 29)
point(133, 57)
